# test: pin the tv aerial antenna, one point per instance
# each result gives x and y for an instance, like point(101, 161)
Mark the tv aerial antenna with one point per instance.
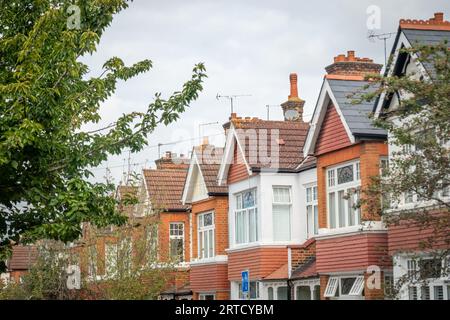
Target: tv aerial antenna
point(232, 98)
point(381, 36)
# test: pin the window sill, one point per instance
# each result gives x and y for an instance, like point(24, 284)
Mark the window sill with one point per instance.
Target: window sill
point(367, 226)
point(214, 260)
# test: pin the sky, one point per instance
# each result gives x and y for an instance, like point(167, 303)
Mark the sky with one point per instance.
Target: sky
point(248, 47)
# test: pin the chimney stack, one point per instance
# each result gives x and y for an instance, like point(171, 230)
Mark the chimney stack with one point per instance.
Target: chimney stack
point(171, 161)
point(293, 107)
point(351, 67)
point(435, 23)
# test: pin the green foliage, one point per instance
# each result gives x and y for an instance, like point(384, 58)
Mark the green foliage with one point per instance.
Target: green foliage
point(46, 97)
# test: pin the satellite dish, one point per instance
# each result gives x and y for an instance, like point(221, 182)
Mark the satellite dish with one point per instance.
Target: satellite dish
point(291, 114)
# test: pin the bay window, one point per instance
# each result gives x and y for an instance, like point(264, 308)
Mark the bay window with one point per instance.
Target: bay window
point(176, 238)
point(281, 212)
point(343, 184)
point(312, 212)
point(246, 217)
point(206, 235)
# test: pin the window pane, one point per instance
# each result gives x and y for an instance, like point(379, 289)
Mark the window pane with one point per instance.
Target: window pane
point(425, 293)
point(309, 220)
point(314, 193)
point(331, 209)
point(308, 194)
point(201, 246)
point(430, 268)
point(281, 195)
point(412, 293)
point(249, 199)
point(211, 243)
point(281, 222)
point(316, 220)
point(282, 293)
point(341, 208)
point(358, 172)
point(239, 201)
point(253, 227)
point(330, 178)
point(351, 210)
point(303, 293)
point(438, 293)
point(345, 174)
point(346, 285)
point(207, 219)
point(253, 290)
point(270, 293)
point(206, 243)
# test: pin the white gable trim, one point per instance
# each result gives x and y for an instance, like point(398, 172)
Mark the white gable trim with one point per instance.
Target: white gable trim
point(402, 41)
point(325, 96)
point(188, 184)
point(227, 159)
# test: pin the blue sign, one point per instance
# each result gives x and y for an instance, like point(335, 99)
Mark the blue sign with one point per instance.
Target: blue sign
point(245, 281)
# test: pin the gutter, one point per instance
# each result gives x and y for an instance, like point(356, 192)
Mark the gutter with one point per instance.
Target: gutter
point(215, 194)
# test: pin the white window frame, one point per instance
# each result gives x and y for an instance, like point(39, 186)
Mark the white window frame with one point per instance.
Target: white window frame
point(257, 289)
point(246, 214)
point(312, 210)
point(333, 187)
point(202, 296)
point(205, 232)
point(334, 286)
point(417, 288)
point(284, 204)
point(176, 237)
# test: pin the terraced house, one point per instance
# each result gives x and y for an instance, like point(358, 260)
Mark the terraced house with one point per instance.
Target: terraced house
point(349, 151)
point(266, 202)
point(282, 199)
point(209, 224)
point(408, 241)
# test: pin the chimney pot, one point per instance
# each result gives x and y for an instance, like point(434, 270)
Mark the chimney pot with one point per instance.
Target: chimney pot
point(294, 88)
point(168, 154)
point(351, 55)
point(205, 141)
point(439, 16)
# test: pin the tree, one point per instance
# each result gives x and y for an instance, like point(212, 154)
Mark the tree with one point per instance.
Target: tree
point(45, 99)
point(419, 167)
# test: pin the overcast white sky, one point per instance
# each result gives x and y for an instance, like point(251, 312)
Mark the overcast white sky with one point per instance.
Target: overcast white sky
point(248, 47)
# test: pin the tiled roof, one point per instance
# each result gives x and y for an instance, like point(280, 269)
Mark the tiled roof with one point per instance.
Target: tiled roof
point(165, 188)
point(289, 137)
point(356, 115)
point(209, 158)
point(427, 37)
point(280, 273)
point(305, 270)
point(23, 257)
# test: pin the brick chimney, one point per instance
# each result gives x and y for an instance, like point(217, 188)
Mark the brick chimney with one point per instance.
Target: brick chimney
point(293, 107)
point(435, 23)
point(172, 161)
point(351, 67)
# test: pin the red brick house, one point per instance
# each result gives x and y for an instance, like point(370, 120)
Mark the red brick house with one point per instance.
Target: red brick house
point(408, 241)
point(265, 213)
point(349, 151)
point(209, 224)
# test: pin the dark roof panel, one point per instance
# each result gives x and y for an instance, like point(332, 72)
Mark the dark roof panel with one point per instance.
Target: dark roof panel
point(427, 37)
point(356, 115)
